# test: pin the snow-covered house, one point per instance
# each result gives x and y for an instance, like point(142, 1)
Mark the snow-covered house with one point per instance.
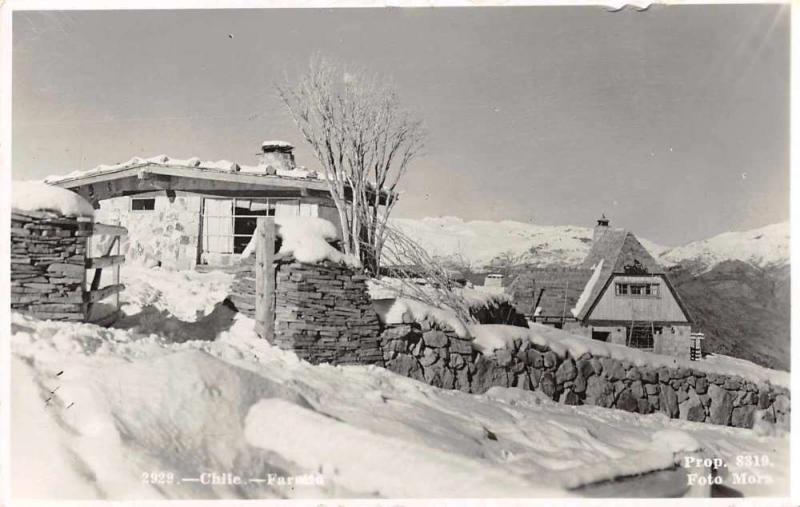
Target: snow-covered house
point(181, 213)
point(618, 294)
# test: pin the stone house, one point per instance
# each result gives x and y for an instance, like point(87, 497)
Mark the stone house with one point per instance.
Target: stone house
point(618, 294)
point(183, 213)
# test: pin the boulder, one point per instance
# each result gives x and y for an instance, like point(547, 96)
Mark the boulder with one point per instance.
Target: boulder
point(456, 361)
point(503, 357)
point(579, 384)
point(488, 374)
point(534, 358)
point(435, 338)
point(692, 409)
point(550, 359)
point(637, 389)
point(742, 417)
point(429, 357)
point(627, 401)
point(721, 405)
point(585, 368)
point(633, 374)
point(566, 371)
point(612, 368)
point(547, 384)
point(406, 366)
point(599, 392)
point(668, 401)
point(649, 376)
point(701, 385)
point(568, 397)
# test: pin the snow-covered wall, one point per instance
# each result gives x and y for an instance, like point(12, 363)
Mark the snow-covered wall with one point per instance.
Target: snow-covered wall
point(437, 355)
point(48, 256)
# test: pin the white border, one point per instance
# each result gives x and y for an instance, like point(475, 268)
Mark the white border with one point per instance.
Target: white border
point(6, 10)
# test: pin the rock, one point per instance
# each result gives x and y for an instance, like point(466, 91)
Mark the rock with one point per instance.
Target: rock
point(732, 383)
point(462, 380)
point(782, 404)
point(682, 396)
point(637, 389)
point(742, 417)
point(644, 406)
point(579, 384)
point(550, 359)
point(612, 368)
point(692, 409)
point(429, 357)
point(599, 392)
point(456, 361)
point(503, 357)
point(701, 385)
point(585, 368)
point(668, 401)
point(633, 374)
point(448, 379)
point(654, 401)
point(435, 338)
point(398, 331)
point(651, 389)
point(745, 398)
point(406, 366)
point(663, 375)
point(596, 365)
point(434, 374)
point(566, 371)
point(763, 399)
point(523, 381)
point(569, 398)
point(534, 358)
point(649, 376)
point(721, 405)
point(547, 384)
point(488, 374)
point(626, 401)
point(461, 346)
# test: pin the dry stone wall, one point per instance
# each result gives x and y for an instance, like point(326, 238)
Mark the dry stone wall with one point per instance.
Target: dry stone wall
point(48, 258)
point(427, 352)
point(323, 312)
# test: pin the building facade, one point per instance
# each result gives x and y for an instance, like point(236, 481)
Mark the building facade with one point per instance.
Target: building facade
point(186, 213)
point(619, 294)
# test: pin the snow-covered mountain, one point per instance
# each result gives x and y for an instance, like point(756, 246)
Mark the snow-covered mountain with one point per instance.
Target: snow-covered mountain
point(764, 248)
point(481, 243)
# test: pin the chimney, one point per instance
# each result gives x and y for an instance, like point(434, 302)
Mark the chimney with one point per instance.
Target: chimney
point(278, 155)
point(600, 228)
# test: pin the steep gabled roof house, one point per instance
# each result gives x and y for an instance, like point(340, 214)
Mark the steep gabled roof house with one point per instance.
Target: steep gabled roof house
point(618, 294)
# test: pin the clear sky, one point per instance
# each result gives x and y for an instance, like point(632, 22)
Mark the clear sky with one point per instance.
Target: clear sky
point(673, 121)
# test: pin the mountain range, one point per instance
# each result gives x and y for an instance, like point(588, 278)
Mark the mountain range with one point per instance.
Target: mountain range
point(736, 285)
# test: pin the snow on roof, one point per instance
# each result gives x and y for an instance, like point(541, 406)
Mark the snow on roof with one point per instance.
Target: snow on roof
point(490, 337)
point(38, 196)
point(276, 144)
point(587, 290)
point(193, 162)
point(307, 240)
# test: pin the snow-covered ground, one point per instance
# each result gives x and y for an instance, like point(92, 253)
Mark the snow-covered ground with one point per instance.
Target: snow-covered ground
point(183, 388)
point(478, 243)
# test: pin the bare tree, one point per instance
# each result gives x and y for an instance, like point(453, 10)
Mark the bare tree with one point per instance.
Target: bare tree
point(364, 140)
point(415, 275)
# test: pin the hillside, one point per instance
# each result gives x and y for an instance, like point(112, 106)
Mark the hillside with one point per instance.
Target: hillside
point(743, 310)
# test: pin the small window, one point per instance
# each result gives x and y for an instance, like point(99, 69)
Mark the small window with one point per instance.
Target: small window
point(637, 289)
point(143, 204)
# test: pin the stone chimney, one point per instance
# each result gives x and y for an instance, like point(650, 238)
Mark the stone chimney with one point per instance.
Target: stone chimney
point(277, 155)
point(600, 228)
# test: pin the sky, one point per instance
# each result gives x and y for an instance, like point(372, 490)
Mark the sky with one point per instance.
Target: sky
point(674, 121)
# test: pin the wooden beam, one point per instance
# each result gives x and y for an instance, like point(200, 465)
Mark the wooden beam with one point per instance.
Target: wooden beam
point(96, 295)
point(265, 278)
point(104, 262)
point(109, 230)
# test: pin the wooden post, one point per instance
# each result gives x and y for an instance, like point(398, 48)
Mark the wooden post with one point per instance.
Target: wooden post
point(265, 278)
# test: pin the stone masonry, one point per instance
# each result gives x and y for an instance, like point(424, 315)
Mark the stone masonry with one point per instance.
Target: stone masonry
point(48, 255)
point(429, 353)
point(323, 312)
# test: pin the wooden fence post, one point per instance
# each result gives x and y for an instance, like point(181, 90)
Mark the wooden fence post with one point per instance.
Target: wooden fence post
point(265, 278)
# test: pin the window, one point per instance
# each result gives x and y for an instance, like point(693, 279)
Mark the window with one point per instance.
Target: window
point(640, 337)
point(637, 289)
point(143, 204)
point(229, 224)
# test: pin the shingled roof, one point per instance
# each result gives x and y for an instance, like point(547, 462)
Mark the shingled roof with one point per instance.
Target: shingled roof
point(618, 249)
point(562, 287)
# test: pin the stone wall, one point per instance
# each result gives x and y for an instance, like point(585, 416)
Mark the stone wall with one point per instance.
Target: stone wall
point(165, 236)
point(48, 258)
point(437, 356)
point(323, 312)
